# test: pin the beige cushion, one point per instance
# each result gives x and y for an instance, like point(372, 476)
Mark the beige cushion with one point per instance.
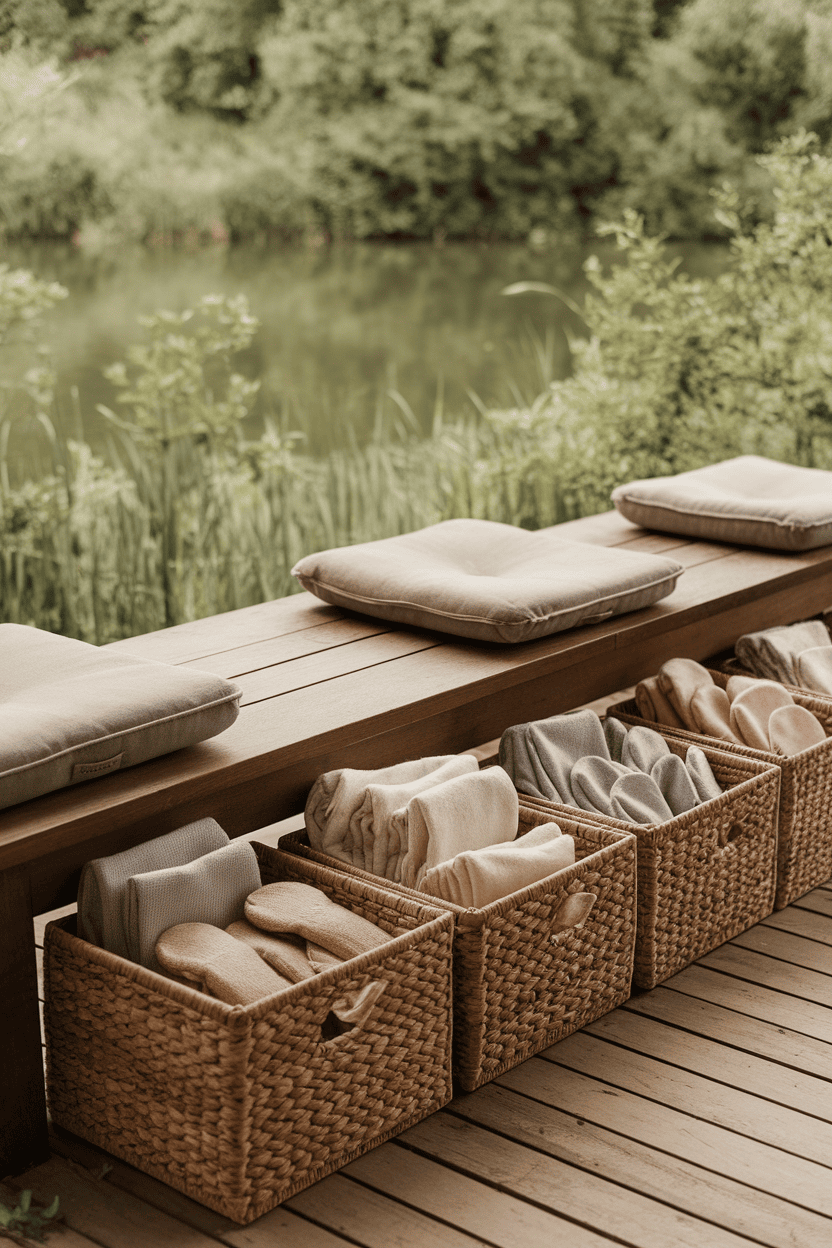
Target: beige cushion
point(749, 500)
point(70, 711)
point(490, 581)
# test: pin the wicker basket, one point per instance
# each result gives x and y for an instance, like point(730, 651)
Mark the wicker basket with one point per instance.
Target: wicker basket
point(705, 875)
point(804, 852)
point(240, 1107)
point(517, 987)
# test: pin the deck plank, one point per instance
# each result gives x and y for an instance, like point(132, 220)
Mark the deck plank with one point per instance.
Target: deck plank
point(818, 901)
point(718, 1063)
point(685, 1186)
point(804, 922)
point(780, 1008)
point(758, 968)
point(792, 947)
point(679, 1088)
point(527, 1173)
point(705, 1144)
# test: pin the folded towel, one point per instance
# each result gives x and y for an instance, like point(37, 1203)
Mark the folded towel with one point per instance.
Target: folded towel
point(675, 784)
point(370, 824)
point(736, 684)
point(653, 704)
point(478, 877)
point(592, 779)
point(102, 893)
point(710, 711)
point(515, 761)
point(285, 954)
point(643, 748)
point(335, 796)
point(298, 908)
point(699, 769)
point(216, 963)
point(751, 711)
point(773, 652)
point(615, 734)
point(636, 798)
point(792, 729)
point(468, 812)
point(678, 680)
point(814, 669)
point(554, 746)
point(212, 890)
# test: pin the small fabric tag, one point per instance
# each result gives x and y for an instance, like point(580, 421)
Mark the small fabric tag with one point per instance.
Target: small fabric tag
point(86, 771)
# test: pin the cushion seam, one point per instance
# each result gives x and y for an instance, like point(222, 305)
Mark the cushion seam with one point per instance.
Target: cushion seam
point(720, 515)
point(124, 732)
point(485, 619)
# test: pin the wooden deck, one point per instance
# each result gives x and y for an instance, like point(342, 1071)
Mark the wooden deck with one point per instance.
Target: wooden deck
point(698, 1114)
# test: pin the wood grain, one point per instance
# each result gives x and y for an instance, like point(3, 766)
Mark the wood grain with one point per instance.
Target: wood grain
point(779, 1008)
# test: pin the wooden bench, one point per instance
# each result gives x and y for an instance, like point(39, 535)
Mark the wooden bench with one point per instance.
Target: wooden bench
point(323, 688)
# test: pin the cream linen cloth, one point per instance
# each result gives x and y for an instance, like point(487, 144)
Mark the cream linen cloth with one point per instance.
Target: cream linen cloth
point(301, 910)
point(336, 795)
point(476, 877)
point(102, 892)
point(469, 812)
point(212, 890)
point(215, 963)
point(814, 669)
point(371, 823)
point(773, 652)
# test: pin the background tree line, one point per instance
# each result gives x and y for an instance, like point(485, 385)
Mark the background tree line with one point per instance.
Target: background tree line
point(416, 118)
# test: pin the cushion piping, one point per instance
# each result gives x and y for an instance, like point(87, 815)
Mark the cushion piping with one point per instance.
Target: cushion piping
point(491, 619)
point(640, 501)
point(124, 732)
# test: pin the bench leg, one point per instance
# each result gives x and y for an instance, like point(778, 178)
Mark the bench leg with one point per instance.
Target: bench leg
point(24, 1140)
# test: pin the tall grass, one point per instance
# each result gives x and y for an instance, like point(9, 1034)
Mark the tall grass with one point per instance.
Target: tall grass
point(184, 517)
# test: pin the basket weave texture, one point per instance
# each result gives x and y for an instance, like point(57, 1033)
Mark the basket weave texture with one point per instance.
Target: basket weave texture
point(240, 1107)
point(517, 987)
point(804, 853)
point(703, 876)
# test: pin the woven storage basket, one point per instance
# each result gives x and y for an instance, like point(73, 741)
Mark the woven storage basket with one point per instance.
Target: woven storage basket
point(517, 986)
point(240, 1107)
point(804, 852)
point(703, 876)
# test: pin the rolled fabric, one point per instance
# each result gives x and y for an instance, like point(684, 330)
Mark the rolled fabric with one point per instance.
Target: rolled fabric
point(591, 781)
point(370, 823)
point(737, 684)
point(468, 812)
point(211, 890)
point(678, 680)
point(335, 795)
point(556, 744)
point(710, 711)
point(814, 669)
point(299, 909)
point(653, 704)
point(102, 892)
point(643, 748)
point(615, 734)
point(636, 798)
point(773, 651)
point(515, 761)
point(793, 729)
point(216, 963)
point(288, 956)
point(751, 711)
point(478, 877)
point(675, 784)
point(699, 769)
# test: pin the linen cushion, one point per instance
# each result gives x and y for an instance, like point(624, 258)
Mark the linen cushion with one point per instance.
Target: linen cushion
point(749, 500)
point(489, 581)
point(70, 711)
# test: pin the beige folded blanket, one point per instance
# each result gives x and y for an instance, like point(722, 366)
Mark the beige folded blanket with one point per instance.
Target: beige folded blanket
point(212, 890)
point(371, 823)
point(216, 963)
point(336, 795)
point(468, 812)
point(302, 910)
point(477, 877)
point(102, 892)
point(773, 652)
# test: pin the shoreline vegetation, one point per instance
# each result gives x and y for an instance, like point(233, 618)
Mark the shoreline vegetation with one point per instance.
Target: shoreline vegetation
point(186, 516)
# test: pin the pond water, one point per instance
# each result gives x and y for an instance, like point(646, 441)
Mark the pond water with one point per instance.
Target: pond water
point(346, 331)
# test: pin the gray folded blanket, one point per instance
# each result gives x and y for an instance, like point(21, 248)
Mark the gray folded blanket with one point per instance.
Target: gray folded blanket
point(773, 653)
point(102, 892)
point(212, 889)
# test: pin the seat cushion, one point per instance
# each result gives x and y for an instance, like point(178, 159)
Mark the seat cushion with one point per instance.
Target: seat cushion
point(70, 711)
point(489, 581)
point(748, 500)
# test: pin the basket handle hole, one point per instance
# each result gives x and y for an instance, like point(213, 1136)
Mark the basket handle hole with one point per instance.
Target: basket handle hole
point(572, 912)
point(727, 835)
point(332, 1027)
